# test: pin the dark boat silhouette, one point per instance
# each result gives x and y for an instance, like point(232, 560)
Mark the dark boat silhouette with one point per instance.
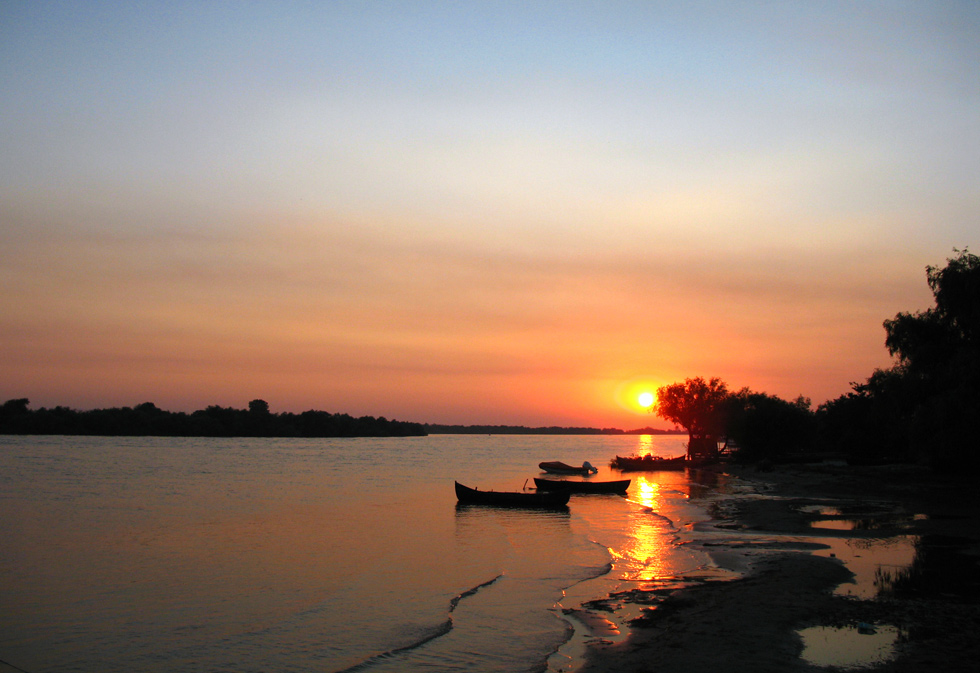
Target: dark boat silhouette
point(618, 486)
point(636, 463)
point(472, 496)
point(558, 467)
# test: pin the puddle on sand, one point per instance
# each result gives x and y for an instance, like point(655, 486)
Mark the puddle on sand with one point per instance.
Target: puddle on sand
point(820, 510)
point(835, 524)
point(870, 559)
point(866, 524)
point(858, 519)
point(849, 647)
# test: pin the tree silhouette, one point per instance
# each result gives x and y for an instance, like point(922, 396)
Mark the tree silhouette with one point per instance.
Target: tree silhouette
point(926, 406)
point(931, 342)
point(766, 427)
point(698, 406)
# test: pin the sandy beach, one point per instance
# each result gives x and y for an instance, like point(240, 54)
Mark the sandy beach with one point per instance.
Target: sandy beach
point(780, 529)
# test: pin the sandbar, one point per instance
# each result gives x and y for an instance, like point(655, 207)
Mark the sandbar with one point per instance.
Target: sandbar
point(790, 581)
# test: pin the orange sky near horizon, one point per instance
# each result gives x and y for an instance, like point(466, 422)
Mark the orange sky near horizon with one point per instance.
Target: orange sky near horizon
point(453, 337)
point(482, 215)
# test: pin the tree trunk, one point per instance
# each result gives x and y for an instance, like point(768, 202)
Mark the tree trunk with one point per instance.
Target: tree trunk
point(702, 447)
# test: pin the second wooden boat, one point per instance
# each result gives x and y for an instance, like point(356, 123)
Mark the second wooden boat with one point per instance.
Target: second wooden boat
point(618, 486)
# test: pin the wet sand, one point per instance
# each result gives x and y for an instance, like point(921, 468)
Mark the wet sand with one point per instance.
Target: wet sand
point(789, 576)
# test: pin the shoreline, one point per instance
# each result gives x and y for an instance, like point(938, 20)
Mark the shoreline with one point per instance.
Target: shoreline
point(788, 537)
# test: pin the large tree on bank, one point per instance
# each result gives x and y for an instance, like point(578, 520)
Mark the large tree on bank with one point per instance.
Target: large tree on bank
point(932, 342)
point(938, 353)
point(698, 406)
point(925, 408)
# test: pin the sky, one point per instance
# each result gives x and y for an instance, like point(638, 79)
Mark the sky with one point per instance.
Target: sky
point(519, 213)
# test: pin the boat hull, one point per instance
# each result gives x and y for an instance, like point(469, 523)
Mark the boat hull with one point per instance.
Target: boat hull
point(650, 463)
point(619, 486)
point(558, 467)
point(472, 496)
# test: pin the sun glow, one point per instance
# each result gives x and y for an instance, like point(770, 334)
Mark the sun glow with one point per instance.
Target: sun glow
point(638, 395)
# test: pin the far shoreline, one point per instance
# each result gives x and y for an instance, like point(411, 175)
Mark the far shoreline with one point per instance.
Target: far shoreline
point(148, 420)
point(439, 429)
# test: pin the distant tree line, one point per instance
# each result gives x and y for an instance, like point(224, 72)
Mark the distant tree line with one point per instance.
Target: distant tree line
point(148, 420)
point(435, 429)
point(925, 409)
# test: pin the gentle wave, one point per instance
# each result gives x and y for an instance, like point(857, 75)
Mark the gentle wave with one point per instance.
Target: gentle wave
point(596, 571)
point(437, 632)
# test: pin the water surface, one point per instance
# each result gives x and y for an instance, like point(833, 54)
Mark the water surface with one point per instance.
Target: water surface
point(202, 554)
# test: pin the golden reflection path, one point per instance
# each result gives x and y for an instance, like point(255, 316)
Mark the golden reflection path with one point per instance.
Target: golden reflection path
point(650, 541)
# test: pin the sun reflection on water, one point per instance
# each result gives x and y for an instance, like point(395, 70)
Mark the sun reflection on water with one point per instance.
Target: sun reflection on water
point(649, 542)
point(647, 493)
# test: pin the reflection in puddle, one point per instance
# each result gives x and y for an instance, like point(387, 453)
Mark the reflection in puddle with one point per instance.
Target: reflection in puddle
point(849, 647)
point(859, 518)
point(862, 518)
point(820, 510)
point(835, 524)
point(871, 560)
point(877, 522)
point(940, 568)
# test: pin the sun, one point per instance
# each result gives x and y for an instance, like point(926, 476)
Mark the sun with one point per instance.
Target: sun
point(638, 395)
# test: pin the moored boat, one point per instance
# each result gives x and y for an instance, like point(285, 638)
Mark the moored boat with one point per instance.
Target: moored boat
point(552, 499)
point(648, 462)
point(618, 486)
point(558, 467)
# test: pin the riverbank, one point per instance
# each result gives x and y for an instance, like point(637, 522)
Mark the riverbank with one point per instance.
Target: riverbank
point(863, 549)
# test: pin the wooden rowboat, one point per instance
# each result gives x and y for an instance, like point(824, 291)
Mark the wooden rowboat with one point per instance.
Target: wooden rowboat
point(651, 463)
point(619, 486)
point(558, 467)
point(472, 496)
